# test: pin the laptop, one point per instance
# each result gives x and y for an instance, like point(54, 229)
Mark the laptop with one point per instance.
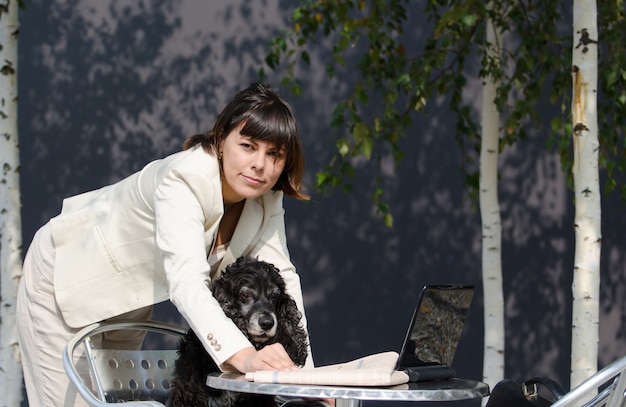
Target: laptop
point(434, 332)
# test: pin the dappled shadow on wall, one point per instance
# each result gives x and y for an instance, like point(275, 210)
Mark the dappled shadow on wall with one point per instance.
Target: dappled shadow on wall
point(105, 88)
point(362, 279)
point(537, 256)
point(613, 281)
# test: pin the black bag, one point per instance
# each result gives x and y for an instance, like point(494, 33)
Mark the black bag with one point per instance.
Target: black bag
point(508, 393)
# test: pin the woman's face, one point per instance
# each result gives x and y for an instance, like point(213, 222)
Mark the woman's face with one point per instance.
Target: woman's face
point(250, 167)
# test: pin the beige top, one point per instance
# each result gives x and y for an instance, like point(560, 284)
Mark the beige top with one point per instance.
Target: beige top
point(216, 256)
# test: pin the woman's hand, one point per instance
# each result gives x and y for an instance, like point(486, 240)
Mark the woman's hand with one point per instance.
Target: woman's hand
point(271, 357)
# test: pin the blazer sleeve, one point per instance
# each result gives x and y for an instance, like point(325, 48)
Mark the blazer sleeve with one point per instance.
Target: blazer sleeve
point(188, 204)
point(272, 247)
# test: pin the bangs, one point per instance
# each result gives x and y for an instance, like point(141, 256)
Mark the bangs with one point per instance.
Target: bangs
point(273, 123)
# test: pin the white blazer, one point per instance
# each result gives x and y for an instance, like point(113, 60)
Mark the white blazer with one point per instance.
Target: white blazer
point(146, 239)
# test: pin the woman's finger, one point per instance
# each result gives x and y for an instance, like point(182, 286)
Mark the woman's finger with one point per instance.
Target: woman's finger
point(276, 357)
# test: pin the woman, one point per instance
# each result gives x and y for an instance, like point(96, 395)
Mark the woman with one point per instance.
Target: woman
point(161, 234)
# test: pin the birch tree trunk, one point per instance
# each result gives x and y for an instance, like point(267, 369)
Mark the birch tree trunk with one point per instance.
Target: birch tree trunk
point(10, 221)
point(586, 281)
point(493, 363)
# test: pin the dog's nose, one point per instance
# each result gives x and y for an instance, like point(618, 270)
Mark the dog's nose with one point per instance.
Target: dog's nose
point(266, 322)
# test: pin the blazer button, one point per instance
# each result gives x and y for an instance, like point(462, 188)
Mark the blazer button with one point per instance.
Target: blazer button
point(209, 336)
point(213, 342)
point(218, 347)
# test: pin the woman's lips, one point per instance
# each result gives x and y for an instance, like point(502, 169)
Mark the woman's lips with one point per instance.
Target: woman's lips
point(252, 180)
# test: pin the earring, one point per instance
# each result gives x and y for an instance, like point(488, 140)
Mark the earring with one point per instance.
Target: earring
point(219, 155)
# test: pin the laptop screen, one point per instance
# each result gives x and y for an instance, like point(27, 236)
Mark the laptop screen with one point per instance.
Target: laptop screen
point(436, 325)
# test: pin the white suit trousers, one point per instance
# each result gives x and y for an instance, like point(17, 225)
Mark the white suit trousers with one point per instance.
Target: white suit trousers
point(43, 333)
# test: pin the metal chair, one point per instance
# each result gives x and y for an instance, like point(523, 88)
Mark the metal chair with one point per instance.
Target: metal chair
point(131, 377)
point(605, 388)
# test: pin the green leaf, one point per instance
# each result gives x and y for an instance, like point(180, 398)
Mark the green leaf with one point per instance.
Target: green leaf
point(361, 95)
point(343, 147)
point(469, 19)
point(297, 14)
point(306, 58)
point(388, 220)
point(338, 115)
point(610, 185)
point(272, 60)
point(363, 138)
point(296, 89)
point(403, 80)
point(281, 44)
point(556, 125)
point(611, 78)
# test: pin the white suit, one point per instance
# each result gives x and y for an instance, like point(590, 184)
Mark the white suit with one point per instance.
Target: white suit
point(146, 239)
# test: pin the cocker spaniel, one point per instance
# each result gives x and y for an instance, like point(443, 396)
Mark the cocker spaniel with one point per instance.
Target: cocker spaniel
point(251, 293)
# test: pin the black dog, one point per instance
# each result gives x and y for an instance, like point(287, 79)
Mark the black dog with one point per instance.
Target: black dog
point(251, 293)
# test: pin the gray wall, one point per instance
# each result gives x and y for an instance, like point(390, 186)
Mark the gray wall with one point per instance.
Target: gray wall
point(107, 86)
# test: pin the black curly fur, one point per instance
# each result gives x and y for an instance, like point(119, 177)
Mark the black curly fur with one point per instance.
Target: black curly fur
point(247, 287)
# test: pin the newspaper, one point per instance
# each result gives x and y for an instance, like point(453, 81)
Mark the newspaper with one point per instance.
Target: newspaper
point(373, 370)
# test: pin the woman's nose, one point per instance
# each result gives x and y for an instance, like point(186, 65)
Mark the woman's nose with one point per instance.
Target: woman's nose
point(258, 161)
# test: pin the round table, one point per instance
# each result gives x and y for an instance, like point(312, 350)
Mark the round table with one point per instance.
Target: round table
point(348, 396)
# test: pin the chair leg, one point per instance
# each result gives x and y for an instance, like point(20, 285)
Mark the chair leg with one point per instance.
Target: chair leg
point(92, 368)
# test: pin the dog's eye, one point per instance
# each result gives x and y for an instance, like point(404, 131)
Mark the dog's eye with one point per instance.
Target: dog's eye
point(244, 296)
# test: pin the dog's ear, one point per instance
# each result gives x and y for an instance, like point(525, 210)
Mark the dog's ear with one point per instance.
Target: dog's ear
point(223, 292)
point(220, 291)
point(288, 310)
point(290, 332)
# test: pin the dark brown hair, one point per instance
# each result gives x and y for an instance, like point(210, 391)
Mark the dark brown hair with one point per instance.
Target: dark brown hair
point(262, 115)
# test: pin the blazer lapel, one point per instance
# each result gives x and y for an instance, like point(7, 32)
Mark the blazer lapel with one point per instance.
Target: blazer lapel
point(247, 229)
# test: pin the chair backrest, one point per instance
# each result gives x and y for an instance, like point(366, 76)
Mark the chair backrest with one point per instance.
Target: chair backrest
point(129, 377)
point(605, 388)
point(132, 375)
